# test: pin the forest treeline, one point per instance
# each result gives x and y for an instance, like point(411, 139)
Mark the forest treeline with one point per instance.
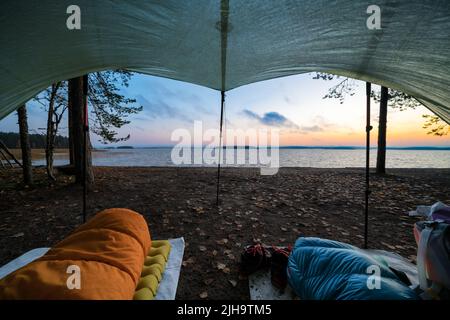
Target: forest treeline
point(37, 141)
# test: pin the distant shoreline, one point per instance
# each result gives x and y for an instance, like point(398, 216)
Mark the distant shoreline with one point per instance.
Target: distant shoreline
point(37, 154)
point(63, 153)
point(431, 148)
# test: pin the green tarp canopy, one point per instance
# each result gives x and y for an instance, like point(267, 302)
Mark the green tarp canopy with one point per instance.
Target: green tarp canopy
point(226, 44)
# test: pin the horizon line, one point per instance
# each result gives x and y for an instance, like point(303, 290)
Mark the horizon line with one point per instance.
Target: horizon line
point(412, 147)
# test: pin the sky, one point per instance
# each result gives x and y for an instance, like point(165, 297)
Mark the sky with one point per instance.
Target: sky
point(293, 105)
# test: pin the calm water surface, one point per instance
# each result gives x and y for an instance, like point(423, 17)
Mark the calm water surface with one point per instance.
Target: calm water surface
point(319, 158)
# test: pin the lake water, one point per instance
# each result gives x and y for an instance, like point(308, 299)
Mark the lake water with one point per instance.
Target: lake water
point(319, 158)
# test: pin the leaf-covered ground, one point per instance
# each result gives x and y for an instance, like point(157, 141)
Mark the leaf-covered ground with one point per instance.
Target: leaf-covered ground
point(180, 202)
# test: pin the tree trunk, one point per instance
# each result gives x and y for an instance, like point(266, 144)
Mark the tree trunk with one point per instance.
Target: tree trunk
point(76, 110)
point(50, 141)
point(25, 145)
point(70, 126)
point(381, 153)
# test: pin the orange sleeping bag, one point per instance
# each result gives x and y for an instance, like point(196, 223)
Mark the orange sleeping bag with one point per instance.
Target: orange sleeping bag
point(101, 259)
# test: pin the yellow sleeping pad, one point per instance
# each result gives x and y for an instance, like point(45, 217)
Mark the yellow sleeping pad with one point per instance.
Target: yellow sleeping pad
point(152, 270)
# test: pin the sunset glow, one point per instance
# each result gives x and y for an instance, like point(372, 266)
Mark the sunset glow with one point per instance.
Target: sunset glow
point(294, 105)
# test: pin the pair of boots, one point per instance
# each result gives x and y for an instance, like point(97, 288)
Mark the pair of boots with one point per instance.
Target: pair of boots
point(256, 257)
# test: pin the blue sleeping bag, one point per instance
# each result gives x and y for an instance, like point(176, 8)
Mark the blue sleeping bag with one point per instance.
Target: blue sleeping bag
point(321, 269)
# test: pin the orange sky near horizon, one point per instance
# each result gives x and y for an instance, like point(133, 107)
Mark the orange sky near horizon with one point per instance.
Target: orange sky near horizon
point(402, 130)
point(294, 105)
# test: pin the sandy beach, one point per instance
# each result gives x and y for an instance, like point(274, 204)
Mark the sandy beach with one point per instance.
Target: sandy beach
point(180, 202)
point(39, 154)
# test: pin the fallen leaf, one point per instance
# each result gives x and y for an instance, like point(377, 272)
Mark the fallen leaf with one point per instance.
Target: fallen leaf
point(17, 235)
point(222, 242)
point(188, 261)
point(199, 209)
point(233, 283)
point(221, 266)
point(203, 295)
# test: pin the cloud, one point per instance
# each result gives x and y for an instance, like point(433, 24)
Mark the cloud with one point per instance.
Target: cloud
point(159, 109)
point(195, 101)
point(273, 119)
point(315, 128)
point(319, 124)
point(251, 114)
point(322, 122)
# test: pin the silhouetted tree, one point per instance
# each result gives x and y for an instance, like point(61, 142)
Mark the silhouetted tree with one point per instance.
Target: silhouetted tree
point(382, 124)
point(435, 125)
point(54, 100)
point(393, 98)
point(108, 106)
point(81, 146)
point(25, 145)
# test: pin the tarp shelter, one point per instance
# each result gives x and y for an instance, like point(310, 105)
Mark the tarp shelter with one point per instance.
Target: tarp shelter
point(224, 44)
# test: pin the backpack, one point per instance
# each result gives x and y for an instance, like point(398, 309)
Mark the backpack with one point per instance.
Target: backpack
point(433, 258)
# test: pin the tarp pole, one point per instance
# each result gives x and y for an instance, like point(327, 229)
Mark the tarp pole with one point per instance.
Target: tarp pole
point(224, 12)
point(222, 105)
point(367, 191)
point(85, 141)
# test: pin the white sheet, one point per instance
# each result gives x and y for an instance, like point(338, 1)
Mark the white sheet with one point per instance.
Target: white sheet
point(22, 261)
point(167, 289)
point(261, 288)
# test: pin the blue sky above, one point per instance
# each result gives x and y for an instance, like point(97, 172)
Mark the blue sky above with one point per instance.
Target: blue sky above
point(292, 104)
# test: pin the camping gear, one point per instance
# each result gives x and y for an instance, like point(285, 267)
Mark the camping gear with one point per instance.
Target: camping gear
point(433, 258)
point(235, 43)
point(151, 274)
point(228, 43)
point(167, 288)
point(258, 256)
point(224, 44)
point(321, 269)
point(278, 267)
point(266, 270)
point(438, 211)
point(253, 258)
point(261, 287)
point(109, 252)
